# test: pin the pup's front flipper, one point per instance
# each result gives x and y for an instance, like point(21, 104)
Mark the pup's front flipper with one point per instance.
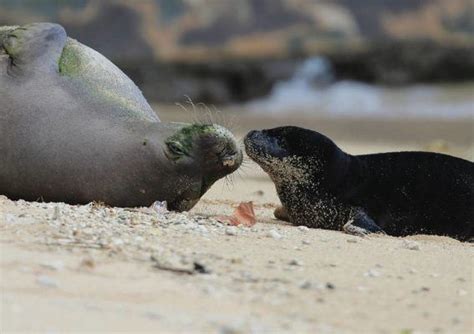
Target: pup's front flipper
point(281, 213)
point(360, 224)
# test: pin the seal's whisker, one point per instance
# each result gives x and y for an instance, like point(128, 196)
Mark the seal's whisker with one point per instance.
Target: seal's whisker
point(194, 117)
point(245, 168)
point(230, 180)
point(241, 174)
point(246, 161)
point(226, 184)
point(233, 121)
point(195, 111)
point(219, 116)
point(184, 109)
point(208, 112)
point(222, 119)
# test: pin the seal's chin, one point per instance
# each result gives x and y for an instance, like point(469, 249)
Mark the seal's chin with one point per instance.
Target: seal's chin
point(190, 197)
point(261, 147)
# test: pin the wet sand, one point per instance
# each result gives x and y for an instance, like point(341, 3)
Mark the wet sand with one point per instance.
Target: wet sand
point(91, 268)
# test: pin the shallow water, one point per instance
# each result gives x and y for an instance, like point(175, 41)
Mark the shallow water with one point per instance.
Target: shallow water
point(312, 90)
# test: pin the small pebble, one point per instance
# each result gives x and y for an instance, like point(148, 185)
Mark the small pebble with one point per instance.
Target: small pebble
point(153, 315)
point(53, 265)
point(55, 213)
point(305, 285)
point(372, 273)
point(9, 218)
point(295, 262)
point(46, 281)
point(159, 207)
point(201, 229)
point(352, 241)
point(231, 230)
point(305, 242)
point(410, 244)
point(87, 263)
point(116, 243)
point(462, 292)
point(422, 289)
point(274, 234)
point(330, 286)
point(303, 228)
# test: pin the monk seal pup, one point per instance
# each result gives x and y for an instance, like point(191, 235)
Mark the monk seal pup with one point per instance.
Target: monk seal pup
point(75, 129)
point(398, 193)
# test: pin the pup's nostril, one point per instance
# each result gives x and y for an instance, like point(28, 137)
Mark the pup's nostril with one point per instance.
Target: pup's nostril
point(250, 134)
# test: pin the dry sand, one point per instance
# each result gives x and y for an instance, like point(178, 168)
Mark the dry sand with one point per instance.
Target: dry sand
point(91, 268)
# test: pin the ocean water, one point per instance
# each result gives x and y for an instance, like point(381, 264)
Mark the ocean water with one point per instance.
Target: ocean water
point(313, 90)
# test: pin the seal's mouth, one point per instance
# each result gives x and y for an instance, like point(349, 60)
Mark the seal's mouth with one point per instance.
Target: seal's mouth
point(260, 146)
point(228, 163)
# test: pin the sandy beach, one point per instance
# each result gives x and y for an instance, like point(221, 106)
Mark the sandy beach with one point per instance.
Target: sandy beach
point(94, 268)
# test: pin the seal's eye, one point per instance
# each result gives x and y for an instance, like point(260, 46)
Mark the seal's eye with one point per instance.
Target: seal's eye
point(175, 148)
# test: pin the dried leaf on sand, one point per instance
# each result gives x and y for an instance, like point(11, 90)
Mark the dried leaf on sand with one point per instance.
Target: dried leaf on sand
point(243, 215)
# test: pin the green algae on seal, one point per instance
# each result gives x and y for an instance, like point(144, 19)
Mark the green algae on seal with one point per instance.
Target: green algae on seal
point(76, 129)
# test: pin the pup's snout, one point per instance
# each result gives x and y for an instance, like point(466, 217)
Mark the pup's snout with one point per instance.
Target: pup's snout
point(253, 135)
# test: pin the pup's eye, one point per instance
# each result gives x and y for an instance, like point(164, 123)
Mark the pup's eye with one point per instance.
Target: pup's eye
point(175, 148)
point(280, 142)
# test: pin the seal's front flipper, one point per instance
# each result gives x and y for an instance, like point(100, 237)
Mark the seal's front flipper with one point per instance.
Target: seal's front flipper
point(360, 224)
point(281, 213)
point(35, 47)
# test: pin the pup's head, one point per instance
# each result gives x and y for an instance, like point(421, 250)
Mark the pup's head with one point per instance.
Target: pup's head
point(291, 152)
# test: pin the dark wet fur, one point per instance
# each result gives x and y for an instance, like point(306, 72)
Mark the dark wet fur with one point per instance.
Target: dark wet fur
point(404, 193)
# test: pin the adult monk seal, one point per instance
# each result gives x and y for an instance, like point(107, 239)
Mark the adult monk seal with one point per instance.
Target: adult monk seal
point(398, 193)
point(75, 129)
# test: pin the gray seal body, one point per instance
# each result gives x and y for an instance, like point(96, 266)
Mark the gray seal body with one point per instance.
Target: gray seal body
point(399, 193)
point(76, 129)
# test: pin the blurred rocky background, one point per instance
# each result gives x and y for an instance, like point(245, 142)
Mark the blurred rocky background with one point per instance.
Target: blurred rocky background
point(231, 51)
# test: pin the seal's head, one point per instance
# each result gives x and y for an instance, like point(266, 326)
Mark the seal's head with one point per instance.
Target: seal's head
point(291, 153)
point(200, 154)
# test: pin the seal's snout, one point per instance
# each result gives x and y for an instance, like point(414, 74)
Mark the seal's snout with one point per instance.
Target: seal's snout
point(232, 160)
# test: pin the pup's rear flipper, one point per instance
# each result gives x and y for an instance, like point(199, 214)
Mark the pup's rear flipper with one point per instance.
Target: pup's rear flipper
point(360, 224)
point(281, 213)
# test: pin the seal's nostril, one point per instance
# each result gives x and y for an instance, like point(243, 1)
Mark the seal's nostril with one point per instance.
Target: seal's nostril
point(229, 162)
